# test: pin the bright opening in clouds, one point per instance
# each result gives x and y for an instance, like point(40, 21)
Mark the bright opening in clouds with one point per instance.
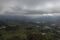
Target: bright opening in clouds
point(30, 7)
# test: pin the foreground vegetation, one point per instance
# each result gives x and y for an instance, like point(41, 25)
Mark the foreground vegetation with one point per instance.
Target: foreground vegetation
point(26, 31)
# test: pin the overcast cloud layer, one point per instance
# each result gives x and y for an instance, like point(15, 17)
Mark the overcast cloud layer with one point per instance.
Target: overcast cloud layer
point(29, 6)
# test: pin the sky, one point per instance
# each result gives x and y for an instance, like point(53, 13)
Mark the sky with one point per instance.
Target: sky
point(30, 6)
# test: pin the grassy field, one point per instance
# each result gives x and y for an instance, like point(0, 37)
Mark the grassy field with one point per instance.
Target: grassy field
point(26, 31)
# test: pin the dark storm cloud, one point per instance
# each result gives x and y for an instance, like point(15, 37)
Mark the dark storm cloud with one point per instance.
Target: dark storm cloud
point(27, 6)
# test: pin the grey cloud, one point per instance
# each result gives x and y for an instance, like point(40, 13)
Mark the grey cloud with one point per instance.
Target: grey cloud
point(27, 6)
